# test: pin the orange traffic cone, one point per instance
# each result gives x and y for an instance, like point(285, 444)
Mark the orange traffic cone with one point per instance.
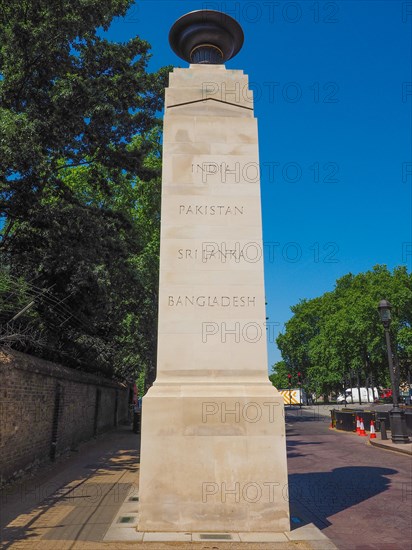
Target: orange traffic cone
point(372, 431)
point(362, 427)
point(357, 425)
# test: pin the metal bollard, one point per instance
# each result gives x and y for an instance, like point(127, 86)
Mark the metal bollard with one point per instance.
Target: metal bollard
point(383, 429)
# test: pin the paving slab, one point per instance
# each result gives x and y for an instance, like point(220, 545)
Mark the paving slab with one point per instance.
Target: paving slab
point(215, 537)
point(128, 520)
point(307, 532)
point(166, 537)
point(119, 534)
point(263, 537)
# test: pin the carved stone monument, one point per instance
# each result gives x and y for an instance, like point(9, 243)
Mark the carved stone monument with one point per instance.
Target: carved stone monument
point(213, 455)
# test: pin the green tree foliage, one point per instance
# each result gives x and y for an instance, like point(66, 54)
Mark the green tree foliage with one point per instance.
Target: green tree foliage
point(80, 181)
point(68, 93)
point(279, 376)
point(340, 334)
point(19, 322)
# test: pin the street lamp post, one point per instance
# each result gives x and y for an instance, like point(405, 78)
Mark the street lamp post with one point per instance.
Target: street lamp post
point(358, 383)
point(397, 416)
point(351, 384)
point(290, 390)
point(300, 389)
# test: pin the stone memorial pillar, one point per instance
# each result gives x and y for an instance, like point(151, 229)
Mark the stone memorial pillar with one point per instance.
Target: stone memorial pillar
point(213, 454)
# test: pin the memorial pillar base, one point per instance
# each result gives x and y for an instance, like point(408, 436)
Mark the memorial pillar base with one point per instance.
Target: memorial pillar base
point(213, 458)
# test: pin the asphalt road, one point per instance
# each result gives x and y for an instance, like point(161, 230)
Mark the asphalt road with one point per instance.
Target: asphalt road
point(359, 495)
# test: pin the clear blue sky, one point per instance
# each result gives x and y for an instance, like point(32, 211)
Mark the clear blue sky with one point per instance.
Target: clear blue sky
point(338, 124)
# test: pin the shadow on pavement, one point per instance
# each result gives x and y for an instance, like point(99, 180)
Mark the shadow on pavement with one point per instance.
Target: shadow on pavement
point(65, 497)
point(306, 416)
point(319, 495)
point(292, 447)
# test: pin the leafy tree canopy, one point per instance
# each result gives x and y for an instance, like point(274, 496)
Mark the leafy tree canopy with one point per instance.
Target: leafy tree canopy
point(79, 184)
point(339, 334)
point(69, 97)
point(279, 376)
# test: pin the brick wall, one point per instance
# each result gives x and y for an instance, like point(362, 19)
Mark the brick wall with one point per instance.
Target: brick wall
point(46, 409)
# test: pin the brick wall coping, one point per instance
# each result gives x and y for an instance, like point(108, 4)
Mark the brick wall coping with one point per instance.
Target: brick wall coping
point(30, 363)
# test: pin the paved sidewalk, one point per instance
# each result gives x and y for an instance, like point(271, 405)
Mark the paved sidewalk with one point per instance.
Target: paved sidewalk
point(75, 503)
point(71, 503)
point(403, 448)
